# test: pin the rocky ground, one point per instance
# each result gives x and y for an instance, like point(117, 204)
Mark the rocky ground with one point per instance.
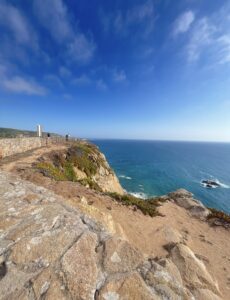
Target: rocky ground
point(64, 241)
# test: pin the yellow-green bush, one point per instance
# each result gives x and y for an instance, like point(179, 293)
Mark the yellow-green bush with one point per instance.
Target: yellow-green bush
point(148, 207)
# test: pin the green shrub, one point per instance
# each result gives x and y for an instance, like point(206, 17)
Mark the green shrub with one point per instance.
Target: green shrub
point(69, 172)
point(92, 184)
point(217, 214)
point(148, 207)
point(82, 156)
point(51, 171)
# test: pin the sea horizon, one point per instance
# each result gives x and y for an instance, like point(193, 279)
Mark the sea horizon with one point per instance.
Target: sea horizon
point(157, 140)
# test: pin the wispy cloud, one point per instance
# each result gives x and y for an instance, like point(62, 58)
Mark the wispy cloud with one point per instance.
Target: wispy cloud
point(67, 96)
point(101, 85)
point(121, 22)
point(64, 72)
point(54, 17)
point(25, 86)
point(17, 25)
point(83, 80)
point(81, 49)
point(224, 51)
point(210, 38)
point(54, 80)
point(183, 23)
point(201, 37)
point(119, 76)
point(140, 12)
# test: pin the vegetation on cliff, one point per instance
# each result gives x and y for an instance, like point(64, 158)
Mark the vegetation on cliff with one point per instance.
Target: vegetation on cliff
point(217, 217)
point(66, 173)
point(147, 207)
point(85, 157)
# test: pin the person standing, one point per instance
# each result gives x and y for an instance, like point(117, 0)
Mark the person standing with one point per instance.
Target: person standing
point(48, 139)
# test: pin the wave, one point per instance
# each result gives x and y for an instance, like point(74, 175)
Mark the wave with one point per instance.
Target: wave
point(125, 177)
point(223, 185)
point(139, 195)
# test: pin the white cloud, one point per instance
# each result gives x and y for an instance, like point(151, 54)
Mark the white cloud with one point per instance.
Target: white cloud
point(209, 38)
point(85, 81)
point(54, 80)
point(14, 21)
point(121, 21)
point(224, 50)
point(81, 49)
point(82, 80)
point(201, 37)
point(183, 23)
point(20, 85)
point(67, 96)
point(101, 85)
point(64, 72)
point(119, 76)
point(54, 16)
point(140, 12)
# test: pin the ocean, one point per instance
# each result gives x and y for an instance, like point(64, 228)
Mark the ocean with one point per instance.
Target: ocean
point(153, 168)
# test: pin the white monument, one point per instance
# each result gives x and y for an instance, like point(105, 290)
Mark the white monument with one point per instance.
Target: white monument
point(39, 131)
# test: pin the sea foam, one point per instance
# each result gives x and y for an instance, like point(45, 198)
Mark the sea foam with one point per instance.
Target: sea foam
point(125, 177)
point(139, 195)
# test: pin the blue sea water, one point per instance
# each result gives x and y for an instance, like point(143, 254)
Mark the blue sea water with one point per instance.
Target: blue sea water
point(153, 168)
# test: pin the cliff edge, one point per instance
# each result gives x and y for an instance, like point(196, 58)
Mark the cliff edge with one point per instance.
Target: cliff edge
point(80, 162)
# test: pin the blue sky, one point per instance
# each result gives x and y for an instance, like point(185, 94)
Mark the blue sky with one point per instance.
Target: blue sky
point(150, 69)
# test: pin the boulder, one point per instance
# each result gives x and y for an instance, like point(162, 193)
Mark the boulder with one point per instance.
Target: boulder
point(164, 283)
point(204, 294)
point(167, 235)
point(131, 287)
point(192, 270)
point(185, 199)
point(171, 268)
point(79, 265)
point(120, 256)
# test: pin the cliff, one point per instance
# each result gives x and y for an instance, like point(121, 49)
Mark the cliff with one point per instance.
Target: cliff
point(60, 239)
point(81, 162)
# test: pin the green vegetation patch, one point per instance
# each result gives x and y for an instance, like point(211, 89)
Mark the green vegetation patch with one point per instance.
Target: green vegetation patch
point(220, 216)
point(66, 173)
point(147, 207)
point(86, 157)
point(91, 184)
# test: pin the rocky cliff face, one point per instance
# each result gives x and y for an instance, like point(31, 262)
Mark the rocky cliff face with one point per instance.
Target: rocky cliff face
point(82, 162)
point(50, 250)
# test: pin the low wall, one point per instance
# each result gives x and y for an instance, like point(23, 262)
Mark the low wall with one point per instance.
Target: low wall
point(17, 145)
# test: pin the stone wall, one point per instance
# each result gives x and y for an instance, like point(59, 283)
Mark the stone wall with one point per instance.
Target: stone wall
point(12, 146)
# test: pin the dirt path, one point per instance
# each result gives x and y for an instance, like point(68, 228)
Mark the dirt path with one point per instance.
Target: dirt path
point(26, 159)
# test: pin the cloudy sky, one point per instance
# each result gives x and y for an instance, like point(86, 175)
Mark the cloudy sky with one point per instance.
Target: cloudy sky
point(149, 69)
